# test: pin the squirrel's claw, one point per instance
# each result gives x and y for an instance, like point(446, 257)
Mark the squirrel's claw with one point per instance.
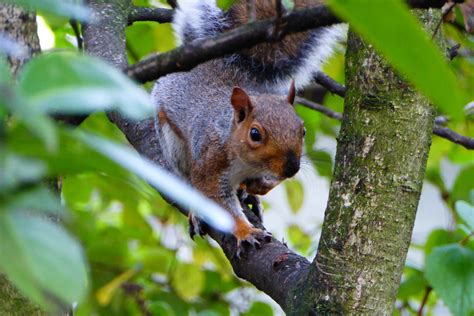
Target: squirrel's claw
point(195, 226)
point(255, 237)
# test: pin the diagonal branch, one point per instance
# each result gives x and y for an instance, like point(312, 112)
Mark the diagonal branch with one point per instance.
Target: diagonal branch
point(159, 15)
point(439, 130)
point(190, 55)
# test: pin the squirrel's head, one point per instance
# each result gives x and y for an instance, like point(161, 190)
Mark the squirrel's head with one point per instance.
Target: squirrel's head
point(267, 137)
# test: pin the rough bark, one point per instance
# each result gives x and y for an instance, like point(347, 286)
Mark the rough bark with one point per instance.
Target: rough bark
point(19, 26)
point(381, 157)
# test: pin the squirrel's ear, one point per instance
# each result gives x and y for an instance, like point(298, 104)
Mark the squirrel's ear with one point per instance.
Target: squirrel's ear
point(241, 103)
point(292, 93)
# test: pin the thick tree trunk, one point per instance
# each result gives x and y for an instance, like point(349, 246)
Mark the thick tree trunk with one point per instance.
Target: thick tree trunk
point(381, 157)
point(19, 26)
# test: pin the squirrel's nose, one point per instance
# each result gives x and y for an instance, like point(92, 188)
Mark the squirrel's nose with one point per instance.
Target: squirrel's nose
point(292, 164)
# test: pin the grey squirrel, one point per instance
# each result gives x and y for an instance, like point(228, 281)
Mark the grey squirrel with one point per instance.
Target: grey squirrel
point(229, 123)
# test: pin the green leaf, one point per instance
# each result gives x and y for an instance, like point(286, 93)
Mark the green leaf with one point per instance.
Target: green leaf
point(464, 184)
point(259, 309)
point(161, 309)
point(466, 212)
point(412, 284)
point(15, 170)
point(322, 161)
point(450, 271)
point(439, 237)
point(41, 259)
point(299, 239)
point(397, 34)
point(188, 281)
point(36, 199)
point(295, 193)
point(70, 8)
point(155, 259)
point(165, 182)
point(289, 4)
point(69, 83)
point(5, 75)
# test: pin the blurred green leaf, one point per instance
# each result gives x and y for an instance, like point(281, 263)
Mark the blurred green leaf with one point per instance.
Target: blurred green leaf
point(295, 193)
point(289, 4)
point(70, 8)
point(390, 27)
point(78, 84)
point(413, 284)
point(450, 271)
point(42, 260)
point(161, 309)
point(466, 212)
point(439, 237)
point(155, 259)
point(16, 169)
point(322, 161)
point(299, 239)
point(36, 199)
point(464, 184)
point(5, 75)
point(259, 309)
point(188, 281)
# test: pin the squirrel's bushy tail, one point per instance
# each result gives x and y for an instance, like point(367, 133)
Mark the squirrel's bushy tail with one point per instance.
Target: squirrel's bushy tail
point(297, 56)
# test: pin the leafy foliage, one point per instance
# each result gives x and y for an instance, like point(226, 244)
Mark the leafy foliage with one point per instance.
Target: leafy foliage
point(121, 248)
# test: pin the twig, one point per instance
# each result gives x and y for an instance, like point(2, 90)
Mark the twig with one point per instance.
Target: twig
point(159, 15)
point(454, 137)
point(441, 131)
point(330, 84)
point(320, 108)
point(279, 14)
point(445, 14)
point(466, 239)
point(77, 32)
point(425, 299)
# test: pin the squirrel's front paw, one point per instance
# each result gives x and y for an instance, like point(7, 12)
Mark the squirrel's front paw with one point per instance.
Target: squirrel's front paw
point(247, 234)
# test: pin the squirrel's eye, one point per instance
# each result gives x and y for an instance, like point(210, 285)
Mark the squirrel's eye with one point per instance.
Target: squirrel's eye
point(255, 135)
point(304, 131)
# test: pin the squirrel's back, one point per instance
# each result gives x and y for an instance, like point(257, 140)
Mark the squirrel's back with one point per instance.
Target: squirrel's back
point(273, 65)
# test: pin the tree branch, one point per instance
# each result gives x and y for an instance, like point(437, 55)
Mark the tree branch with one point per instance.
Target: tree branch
point(159, 15)
point(190, 55)
point(439, 130)
point(330, 84)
